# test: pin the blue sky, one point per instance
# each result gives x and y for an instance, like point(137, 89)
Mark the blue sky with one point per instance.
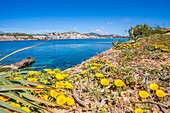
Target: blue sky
point(100, 16)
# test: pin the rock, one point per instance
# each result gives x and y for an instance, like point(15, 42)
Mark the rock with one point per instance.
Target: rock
point(23, 63)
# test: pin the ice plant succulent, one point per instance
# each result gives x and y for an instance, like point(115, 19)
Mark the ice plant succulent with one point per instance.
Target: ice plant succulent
point(118, 83)
point(143, 94)
point(154, 86)
point(160, 93)
point(104, 82)
point(138, 110)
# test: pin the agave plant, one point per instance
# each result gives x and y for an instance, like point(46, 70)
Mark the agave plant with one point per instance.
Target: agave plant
point(133, 38)
point(18, 90)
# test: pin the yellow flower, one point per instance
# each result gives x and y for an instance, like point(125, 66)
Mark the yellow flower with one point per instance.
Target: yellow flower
point(39, 91)
point(104, 82)
point(164, 49)
point(70, 101)
point(64, 75)
point(96, 64)
point(61, 100)
point(87, 60)
point(33, 72)
point(32, 79)
point(45, 81)
point(45, 97)
point(143, 94)
point(4, 98)
point(94, 59)
point(86, 64)
point(111, 66)
point(154, 86)
point(15, 105)
point(118, 82)
point(108, 61)
point(134, 46)
point(60, 84)
point(156, 47)
point(46, 70)
point(161, 45)
point(56, 70)
point(138, 110)
point(68, 85)
point(2, 83)
point(54, 93)
point(26, 109)
point(83, 72)
point(59, 76)
point(17, 78)
point(160, 93)
point(102, 60)
point(99, 75)
point(94, 67)
point(51, 72)
point(78, 76)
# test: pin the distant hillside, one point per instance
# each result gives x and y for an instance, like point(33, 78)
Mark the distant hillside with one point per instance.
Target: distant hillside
point(111, 35)
point(1, 32)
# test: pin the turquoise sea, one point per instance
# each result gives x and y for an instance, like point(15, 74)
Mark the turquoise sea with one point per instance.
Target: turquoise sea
point(62, 54)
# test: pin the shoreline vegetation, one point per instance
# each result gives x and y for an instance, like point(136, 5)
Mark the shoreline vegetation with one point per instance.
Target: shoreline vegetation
point(130, 77)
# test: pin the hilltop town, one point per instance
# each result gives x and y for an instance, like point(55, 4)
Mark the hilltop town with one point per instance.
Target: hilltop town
point(53, 36)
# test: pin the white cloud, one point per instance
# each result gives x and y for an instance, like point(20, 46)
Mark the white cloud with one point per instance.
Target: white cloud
point(100, 27)
point(109, 22)
point(73, 28)
point(99, 31)
point(125, 19)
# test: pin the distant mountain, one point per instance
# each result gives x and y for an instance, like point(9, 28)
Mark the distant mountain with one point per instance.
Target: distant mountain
point(111, 35)
point(1, 32)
